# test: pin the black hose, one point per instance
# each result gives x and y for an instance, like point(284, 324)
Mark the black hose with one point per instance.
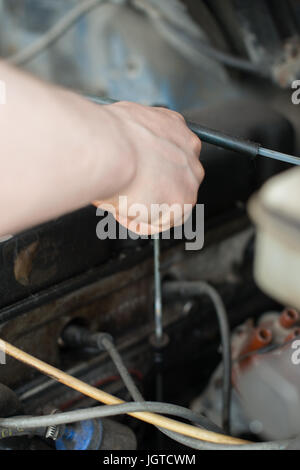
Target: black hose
point(190, 289)
point(196, 444)
point(113, 410)
point(137, 396)
point(32, 422)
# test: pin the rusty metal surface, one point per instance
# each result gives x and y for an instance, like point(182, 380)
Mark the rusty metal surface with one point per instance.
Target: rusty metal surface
point(111, 304)
point(50, 254)
point(121, 304)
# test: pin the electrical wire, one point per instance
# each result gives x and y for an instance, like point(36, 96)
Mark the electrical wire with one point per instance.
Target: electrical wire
point(171, 33)
point(201, 445)
point(66, 417)
point(194, 50)
point(126, 408)
point(200, 288)
point(190, 289)
point(230, 60)
point(110, 379)
point(186, 37)
point(77, 336)
point(54, 33)
point(100, 395)
point(119, 407)
point(137, 396)
point(186, 441)
point(121, 368)
point(109, 346)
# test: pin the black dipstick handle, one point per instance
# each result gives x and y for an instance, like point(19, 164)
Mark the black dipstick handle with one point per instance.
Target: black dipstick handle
point(220, 139)
point(223, 140)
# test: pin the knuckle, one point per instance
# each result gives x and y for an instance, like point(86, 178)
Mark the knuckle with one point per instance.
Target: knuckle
point(200, 172)
point(123, 103)
point(196, 143)
point(178, 116)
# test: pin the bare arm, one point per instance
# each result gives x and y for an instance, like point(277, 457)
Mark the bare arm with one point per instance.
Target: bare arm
point(59, 152)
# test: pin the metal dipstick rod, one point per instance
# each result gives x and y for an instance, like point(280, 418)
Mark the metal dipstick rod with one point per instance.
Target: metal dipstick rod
point(159, 340)
point(157, 293)
point(226, 141)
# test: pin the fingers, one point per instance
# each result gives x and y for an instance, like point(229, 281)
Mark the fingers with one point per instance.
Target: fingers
point(168, 170)
point(178, 132)
point(153, 221)
point(197, 170)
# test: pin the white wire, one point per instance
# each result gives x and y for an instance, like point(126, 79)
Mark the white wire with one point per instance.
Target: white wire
point(26, 422)
point(54, 33)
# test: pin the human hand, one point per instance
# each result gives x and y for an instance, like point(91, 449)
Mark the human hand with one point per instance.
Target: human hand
point(167, 170)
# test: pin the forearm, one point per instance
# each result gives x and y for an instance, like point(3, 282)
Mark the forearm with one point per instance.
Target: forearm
point(57, 152)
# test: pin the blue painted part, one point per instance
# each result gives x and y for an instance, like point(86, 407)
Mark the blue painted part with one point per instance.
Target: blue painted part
point(80, 43)
point(112, 51)
point(141, 84)
point(79, 436)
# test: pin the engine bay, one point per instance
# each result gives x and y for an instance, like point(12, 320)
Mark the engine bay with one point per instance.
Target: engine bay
point(90, 307)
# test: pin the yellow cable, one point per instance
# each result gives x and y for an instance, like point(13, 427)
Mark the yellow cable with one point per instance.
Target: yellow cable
point(99, 395)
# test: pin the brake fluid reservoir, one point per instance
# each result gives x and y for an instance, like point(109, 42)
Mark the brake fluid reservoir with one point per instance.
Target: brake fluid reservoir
point(276, 212)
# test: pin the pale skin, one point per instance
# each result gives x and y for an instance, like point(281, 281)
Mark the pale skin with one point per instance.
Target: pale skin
point(60, 152)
